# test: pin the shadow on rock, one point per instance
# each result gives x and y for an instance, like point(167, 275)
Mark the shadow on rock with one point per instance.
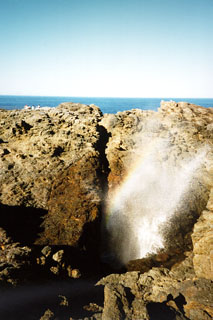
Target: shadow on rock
point(22, 224)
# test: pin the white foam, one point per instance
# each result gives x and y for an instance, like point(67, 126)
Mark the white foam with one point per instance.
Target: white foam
point(146, 201)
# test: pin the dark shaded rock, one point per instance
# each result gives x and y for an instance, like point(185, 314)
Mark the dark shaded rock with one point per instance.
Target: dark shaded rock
point(14, 260)
point(74, 206)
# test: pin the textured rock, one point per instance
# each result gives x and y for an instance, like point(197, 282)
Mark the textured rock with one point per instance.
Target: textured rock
point(14, 260)
point(48, 315)
point(53, 166)
point(181, 125)
point(148, 295)
point(50, 160)
point(202, 238)
point(74, 204)
point(182, 292)
point(38, 145)
point(176, 134)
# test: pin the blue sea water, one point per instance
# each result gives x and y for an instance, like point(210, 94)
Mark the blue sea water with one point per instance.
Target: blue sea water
point(107, 105)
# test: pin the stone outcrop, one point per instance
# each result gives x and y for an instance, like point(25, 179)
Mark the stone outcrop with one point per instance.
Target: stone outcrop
point(14, 260)
point(184, 127)
point(176, 134)
point(49, 160)
point(157, 294)
point(60, 168)
point(202, 238)
point(37, 146)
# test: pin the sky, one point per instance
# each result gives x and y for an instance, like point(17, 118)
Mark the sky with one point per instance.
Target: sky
point(107, 48)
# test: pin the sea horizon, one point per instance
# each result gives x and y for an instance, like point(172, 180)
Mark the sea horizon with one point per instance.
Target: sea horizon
point(106, 104)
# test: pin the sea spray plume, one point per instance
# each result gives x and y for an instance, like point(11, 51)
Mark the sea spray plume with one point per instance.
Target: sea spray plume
point(147, 199)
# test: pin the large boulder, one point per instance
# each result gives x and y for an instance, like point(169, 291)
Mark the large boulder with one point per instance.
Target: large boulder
point(36, 146)
point(158, 294)
point(202, 238)
point(52, 176)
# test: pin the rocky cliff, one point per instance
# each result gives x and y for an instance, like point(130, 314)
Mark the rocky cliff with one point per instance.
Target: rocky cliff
point(62, 170)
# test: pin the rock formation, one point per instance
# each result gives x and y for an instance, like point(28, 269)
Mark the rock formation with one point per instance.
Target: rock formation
point(60, 169)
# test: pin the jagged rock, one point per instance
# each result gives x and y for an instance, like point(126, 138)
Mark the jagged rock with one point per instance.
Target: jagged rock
point(14, 260)
point(176, 134)
point(58, 256)
point(38, 145)
point(55, 270)
point(51, 159)
point(75, 273)
point(46, 251)
point(48, 315)
point(116, 305)
point(202, 238)
point(74, 205)
point(53, 166)
point(143, 296)
point(64, 301)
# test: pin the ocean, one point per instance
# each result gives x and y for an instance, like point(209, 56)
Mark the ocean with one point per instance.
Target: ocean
point(107, 105)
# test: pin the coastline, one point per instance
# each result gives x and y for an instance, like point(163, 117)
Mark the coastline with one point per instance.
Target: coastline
point(62, 166)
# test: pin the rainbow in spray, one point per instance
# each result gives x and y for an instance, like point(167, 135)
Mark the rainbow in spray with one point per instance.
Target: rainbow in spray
point(146, 200)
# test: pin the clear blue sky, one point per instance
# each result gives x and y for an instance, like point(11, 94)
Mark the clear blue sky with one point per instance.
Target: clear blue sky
point(112, 48)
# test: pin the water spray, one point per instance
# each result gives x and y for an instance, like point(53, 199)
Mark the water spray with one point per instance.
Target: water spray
point(149, 196)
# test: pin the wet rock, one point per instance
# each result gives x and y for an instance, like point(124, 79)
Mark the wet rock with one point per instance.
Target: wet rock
point(175, 135)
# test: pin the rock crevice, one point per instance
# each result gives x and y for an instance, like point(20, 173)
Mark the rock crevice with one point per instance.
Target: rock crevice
point(62, 172)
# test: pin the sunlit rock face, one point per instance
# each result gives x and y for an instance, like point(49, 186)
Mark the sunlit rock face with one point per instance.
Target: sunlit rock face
point(159, 180)
point(156, 217)
point(202, 238)
point(49, 159)
point(38, 145)
point(157, 294)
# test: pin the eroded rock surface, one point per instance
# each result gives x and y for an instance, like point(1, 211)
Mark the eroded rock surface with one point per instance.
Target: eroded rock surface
point(158, 294)
point(171, 139)
point(39, 145)
point(54, 166)
point(202, 238)
point(51, 181)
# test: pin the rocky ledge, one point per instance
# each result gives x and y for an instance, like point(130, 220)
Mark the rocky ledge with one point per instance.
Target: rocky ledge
point(61, 170)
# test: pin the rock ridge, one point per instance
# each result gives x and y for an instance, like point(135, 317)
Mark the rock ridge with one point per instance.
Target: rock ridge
point(64, 165)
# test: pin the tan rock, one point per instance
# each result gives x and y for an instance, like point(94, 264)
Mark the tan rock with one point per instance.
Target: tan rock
point(202, 238)
point(37, 145)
